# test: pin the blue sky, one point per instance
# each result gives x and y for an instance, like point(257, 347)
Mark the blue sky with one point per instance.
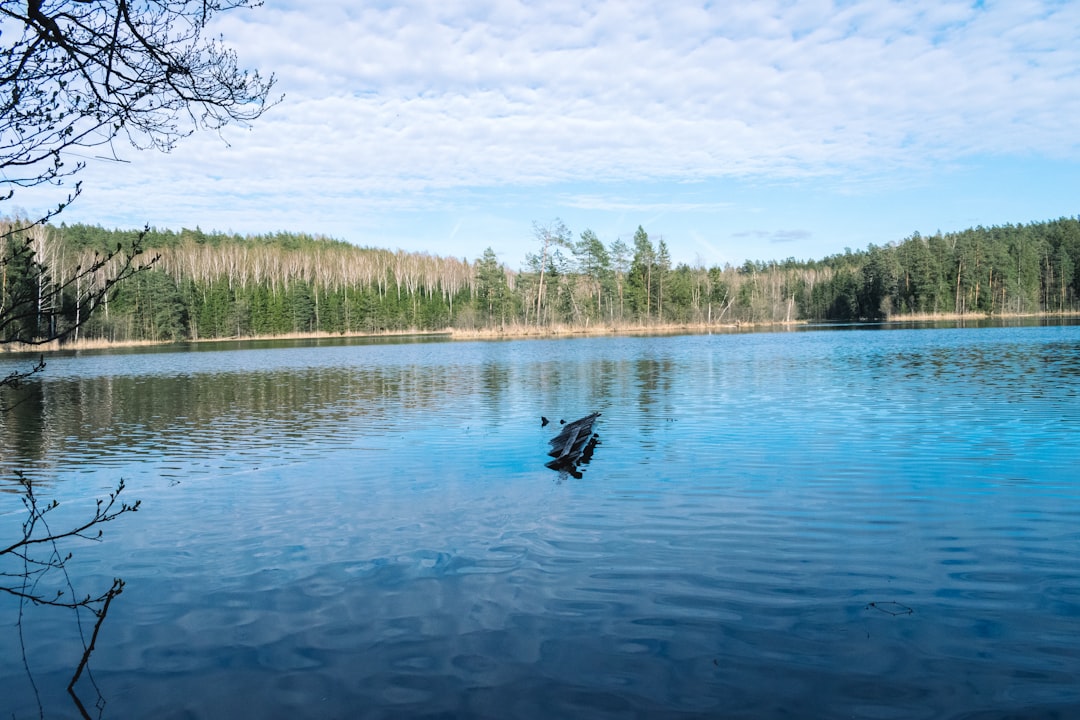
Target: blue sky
point(734, 130)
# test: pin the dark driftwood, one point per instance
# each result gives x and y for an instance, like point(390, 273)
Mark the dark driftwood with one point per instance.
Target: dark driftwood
point(574, 444)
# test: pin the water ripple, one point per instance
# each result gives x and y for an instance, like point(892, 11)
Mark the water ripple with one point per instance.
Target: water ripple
point(372, 530)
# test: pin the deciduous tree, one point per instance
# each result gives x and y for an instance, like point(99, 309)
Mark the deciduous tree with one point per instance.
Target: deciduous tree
point(551, 237)
point(78, 74)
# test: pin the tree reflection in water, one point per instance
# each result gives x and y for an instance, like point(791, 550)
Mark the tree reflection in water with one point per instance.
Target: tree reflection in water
point(33, 569)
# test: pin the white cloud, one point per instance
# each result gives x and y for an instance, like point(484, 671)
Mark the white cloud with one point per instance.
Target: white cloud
point(474, 93)
point(616, 203)
point(774, 236)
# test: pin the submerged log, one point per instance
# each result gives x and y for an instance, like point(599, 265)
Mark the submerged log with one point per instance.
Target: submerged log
point(574, 445)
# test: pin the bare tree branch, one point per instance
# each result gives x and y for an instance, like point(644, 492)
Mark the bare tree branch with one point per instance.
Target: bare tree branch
point(79, 73)
point(29, 569)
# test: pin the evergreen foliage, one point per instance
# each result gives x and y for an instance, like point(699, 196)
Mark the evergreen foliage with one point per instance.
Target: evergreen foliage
point(216, 285)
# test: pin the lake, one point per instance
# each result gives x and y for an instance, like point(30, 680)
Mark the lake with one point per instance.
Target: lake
point(856, 523)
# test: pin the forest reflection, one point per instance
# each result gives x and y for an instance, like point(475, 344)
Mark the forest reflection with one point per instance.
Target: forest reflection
point(192, 407)
point(56, 423)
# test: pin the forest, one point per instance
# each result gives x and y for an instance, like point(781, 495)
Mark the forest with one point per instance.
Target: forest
point(195, 285)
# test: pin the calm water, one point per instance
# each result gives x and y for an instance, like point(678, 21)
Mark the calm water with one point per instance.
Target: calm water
point(368, 530)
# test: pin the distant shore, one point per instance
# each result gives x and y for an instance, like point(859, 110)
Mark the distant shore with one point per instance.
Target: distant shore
point(531, 331)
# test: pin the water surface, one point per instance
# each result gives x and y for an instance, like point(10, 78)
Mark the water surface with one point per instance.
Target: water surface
point(833, 524)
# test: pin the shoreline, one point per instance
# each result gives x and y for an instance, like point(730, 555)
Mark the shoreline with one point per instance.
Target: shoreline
point(533, 332)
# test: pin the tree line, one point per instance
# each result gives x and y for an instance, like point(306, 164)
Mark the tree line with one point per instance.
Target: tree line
point(198, 285)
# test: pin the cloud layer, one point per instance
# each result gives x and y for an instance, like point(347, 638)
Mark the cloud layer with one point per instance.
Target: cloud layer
point(396, 107)
point(433, 95)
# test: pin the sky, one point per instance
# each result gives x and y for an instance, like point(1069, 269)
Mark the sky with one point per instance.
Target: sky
point(733, 130)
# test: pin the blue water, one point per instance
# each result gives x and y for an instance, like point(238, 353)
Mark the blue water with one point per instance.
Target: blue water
point(867, 524)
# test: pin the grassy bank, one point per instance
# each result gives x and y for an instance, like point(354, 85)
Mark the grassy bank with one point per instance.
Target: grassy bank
point(506, 332)
point(512, 331)
point(977, 317)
